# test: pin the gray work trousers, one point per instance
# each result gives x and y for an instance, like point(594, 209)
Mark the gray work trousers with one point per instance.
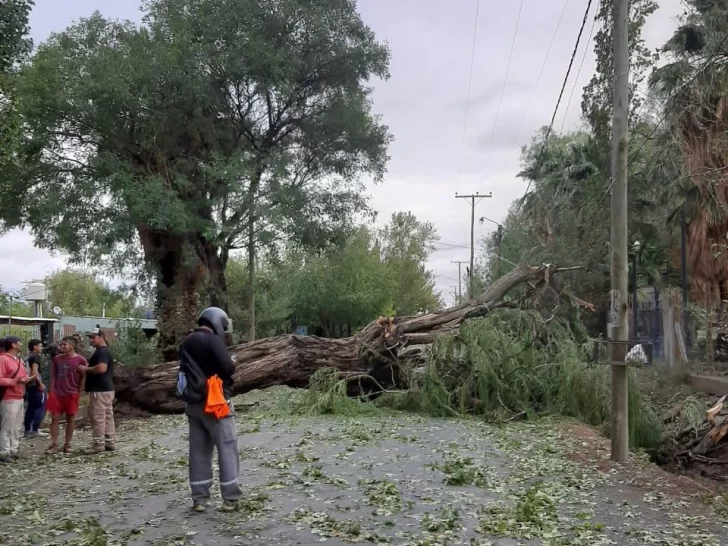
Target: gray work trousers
point(206, 433)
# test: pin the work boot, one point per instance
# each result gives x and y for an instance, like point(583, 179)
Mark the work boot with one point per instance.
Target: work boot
point(199, 507)
point(230, 506)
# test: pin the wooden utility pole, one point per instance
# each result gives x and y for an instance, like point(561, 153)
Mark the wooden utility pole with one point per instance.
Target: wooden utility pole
point(619, 240)
point(460, 278)
point(473, 202)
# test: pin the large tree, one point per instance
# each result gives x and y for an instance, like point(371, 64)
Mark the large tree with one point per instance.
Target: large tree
point(406, 245)
point(597, 98)
point(15, 45)
point(694, 88)
point(208, 127)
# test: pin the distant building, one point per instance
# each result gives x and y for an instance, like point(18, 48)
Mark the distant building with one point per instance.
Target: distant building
point(69, 325)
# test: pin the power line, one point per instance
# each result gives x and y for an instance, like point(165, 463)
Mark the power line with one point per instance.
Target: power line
point(561, 94)
point(581, 65)
point(540, 73)
point(470, 76)
point(505, 80)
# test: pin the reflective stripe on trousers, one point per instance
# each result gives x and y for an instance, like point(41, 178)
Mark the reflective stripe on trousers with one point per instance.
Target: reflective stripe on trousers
point(207, 433)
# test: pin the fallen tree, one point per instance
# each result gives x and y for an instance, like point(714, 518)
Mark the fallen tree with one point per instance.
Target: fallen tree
point(380, 355)
point(701, 446)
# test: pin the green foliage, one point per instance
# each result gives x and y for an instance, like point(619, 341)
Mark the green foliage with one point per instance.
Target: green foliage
point(511, 364)
point(337, 290)
point(237, 107)
point(132, 347)
point(564, 218)
point(79, 293)
point(505, 366)
point(19, 308)
point(14, 42)
point(326, 395)
point(597, 97)
point(342, 290)
point(406, 245)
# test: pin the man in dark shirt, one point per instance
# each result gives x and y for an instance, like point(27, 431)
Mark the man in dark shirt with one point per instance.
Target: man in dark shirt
point(203, 354)
point(35, 391)
point(100, 387)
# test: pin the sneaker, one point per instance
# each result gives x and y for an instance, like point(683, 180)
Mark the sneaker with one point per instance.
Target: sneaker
point(230, 506)
point(30, 434)
point(199, 507)
point(5, 459)
point(41, 434)
point(110, 448)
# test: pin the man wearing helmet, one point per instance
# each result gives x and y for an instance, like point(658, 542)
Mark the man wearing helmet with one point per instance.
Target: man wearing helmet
point(203, 354)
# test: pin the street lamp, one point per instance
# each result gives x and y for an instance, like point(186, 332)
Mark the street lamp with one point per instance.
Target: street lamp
point(635, 251)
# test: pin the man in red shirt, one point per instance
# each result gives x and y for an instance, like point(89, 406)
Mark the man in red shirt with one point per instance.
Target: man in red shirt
point(67, 380)
point(13, 378)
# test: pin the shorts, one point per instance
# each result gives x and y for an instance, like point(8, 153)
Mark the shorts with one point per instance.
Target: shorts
point(58, 405)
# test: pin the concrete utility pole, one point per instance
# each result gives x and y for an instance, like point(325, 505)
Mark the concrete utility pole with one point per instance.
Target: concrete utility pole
point(473, 202)
point(619, 242)
point(460, 277)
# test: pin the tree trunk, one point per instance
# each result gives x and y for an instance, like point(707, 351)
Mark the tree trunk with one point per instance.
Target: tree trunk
point(181, 275)
point(251, 280)
point(217, 285)
point(378, 356)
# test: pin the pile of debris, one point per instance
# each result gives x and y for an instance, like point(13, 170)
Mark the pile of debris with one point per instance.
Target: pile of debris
point(703, 447)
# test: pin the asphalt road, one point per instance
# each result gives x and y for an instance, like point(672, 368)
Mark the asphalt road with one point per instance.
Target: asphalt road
point(383, 478)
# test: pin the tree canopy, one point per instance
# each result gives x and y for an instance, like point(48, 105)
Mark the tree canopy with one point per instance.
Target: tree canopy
point(214, 125)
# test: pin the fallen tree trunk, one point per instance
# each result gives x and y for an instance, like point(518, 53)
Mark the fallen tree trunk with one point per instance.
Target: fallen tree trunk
point(381, 351)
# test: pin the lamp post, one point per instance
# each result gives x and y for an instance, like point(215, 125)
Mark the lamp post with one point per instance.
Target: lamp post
point(635, 252)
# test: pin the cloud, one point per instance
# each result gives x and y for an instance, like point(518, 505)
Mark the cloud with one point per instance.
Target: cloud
point(21, 261)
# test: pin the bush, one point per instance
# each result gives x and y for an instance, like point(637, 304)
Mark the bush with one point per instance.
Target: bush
point(133, 348)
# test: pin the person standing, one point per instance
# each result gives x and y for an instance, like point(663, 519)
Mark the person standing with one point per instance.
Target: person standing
point(67, 381)
point(100, 388)
point(203, 355)
point(35, 391)
point(13, 377)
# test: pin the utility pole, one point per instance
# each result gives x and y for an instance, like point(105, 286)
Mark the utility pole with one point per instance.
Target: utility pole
point(460, 278)
point(455, 290)
point(619, 240)
point(472, 199)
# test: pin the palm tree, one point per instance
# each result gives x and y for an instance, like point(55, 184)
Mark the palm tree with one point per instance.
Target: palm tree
point(694, 86)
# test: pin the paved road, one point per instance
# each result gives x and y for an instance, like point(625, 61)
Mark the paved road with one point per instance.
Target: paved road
point(384, 478)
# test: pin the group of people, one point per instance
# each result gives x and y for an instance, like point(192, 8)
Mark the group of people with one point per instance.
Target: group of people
point(70, 374)
point(205, 383)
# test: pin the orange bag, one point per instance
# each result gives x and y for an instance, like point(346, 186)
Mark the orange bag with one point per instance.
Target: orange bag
point(215, 404)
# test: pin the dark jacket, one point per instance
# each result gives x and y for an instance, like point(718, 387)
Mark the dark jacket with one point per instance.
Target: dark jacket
point(211, 356)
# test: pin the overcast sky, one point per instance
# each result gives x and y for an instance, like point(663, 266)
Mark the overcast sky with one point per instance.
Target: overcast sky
point(424, 104)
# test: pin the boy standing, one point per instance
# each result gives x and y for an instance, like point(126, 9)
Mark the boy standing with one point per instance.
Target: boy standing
point(35, 391)
point(67, 381)
point(13, 378)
